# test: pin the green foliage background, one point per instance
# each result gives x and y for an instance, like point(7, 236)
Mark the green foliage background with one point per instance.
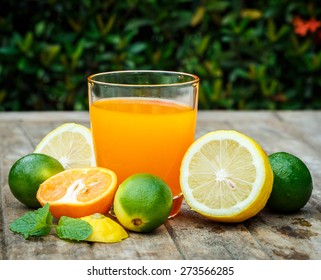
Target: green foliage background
point(246, 53)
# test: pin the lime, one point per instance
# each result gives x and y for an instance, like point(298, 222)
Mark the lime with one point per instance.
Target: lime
point(27, 173)
point(292, 185)
point(143, 202)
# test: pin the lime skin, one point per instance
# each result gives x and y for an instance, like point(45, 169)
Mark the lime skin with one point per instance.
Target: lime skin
point(27, 173)
point(143, 202)
point(292, 186)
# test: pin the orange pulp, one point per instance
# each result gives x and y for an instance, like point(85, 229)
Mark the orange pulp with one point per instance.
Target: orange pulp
point(79, 192)
point(133, 135)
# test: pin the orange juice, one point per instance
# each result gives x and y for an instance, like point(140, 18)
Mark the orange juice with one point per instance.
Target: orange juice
point(133, 135)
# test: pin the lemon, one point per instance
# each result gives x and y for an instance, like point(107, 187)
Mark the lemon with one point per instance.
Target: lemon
point(226, 176)
point(27, 173)
point(104, 229)
point(143, 202)
point(71, 144)
point(292, 186)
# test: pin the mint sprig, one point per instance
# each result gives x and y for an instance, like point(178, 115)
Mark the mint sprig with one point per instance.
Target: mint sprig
point(35, 223)
point(40, 223)
point(74, 229)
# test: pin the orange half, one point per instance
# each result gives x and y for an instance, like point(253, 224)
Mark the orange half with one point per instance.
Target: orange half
point(79, 192)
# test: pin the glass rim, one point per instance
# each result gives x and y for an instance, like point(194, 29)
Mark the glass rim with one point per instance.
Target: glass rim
point(195, 79)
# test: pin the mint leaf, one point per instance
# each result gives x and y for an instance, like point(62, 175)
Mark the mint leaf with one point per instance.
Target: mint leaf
point(34, 223)
point(74, 229)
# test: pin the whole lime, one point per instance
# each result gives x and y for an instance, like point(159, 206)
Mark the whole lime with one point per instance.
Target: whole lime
point(143, 202)
point(292, 186)
point(27, 173)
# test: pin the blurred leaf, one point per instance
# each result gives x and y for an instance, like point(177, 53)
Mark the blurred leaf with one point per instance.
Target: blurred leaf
point(252, 14)
point(198, 16)
point(8, 51)
point(203, 46)
point(49, 54)
point(105, 28)
point(217, 5)
point(40, 28)
point(137, 47)
point(26, 42)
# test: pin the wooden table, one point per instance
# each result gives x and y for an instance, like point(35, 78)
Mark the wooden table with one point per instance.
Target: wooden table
point(189, 235)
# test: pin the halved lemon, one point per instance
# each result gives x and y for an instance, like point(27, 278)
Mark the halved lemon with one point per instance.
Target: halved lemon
point(71, 144)
point(226, 176)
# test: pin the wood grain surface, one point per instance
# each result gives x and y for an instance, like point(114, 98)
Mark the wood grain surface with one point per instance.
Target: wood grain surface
point(188, 236)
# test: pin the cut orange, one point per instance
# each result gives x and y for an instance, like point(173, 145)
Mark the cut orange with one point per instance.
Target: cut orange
point(79, 192)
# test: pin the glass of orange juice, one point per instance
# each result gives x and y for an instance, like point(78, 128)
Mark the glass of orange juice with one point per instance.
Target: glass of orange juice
point(143, 121)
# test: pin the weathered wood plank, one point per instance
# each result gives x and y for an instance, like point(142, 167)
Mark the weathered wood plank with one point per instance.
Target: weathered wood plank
point(20, 141)
point(200, 238)
point(280, 234)
point(15, 144)
point(157, 245)
point(291, 236)
point(45, 117)
point(189, 235)
point(217, 240)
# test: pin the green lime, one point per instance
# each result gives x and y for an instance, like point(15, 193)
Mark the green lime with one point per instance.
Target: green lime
point(292, 186)
point(27, 173)
point(143, 202)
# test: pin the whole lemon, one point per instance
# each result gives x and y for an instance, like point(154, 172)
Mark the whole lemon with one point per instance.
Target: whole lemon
point(27, 173)
point(143, 202)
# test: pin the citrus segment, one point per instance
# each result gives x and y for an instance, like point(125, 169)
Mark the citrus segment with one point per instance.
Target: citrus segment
point(226, 176)
point(104, 229)
point(71, 144)
point(79, 192)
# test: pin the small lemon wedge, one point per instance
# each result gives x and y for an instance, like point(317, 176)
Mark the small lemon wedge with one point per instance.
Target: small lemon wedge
point(105, 230)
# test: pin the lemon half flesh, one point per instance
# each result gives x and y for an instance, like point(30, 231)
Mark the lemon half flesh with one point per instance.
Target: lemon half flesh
point(71, 144)
point(226, 176)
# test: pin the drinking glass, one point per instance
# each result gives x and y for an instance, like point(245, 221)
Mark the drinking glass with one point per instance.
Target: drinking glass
point(143, 121)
